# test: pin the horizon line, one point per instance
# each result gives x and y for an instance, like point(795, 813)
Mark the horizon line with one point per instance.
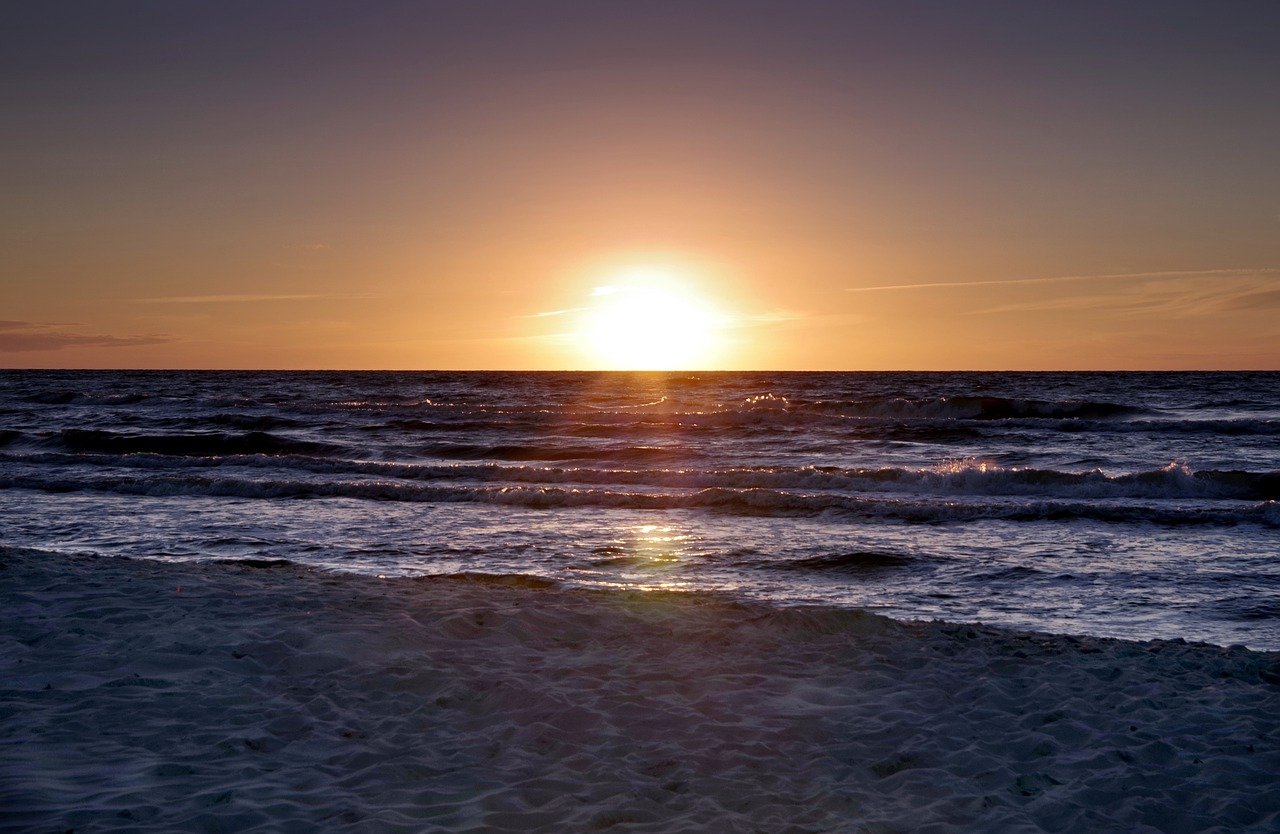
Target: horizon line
point(654, 370)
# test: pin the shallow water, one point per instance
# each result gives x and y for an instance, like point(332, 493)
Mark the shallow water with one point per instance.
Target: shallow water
point(1121, 504)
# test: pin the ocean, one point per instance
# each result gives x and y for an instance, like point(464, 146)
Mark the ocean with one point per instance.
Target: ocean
point(1135, 505)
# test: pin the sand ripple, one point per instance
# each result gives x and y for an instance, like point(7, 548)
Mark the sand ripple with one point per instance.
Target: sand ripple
point(138, 696)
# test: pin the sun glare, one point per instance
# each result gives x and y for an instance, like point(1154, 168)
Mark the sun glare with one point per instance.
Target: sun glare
point(648, 320)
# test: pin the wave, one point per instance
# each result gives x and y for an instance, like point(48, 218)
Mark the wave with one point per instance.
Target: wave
point(899, 408)
point(83, 398)
point(964, 478)
point(250, 422)
point(929, 419)
point(258, 564)
point(1235, 426)
point(1174, 481)
point(764, 406)
point(886, 423)
point(508, 580)
point(961, 479)
point(204, 444)
point(1015, 574)
point(856, 562)
point(950, 408)
point(1247, 608)
point(461, 423)
point(662, 405)
point(557, 452)
point(886, 414)
point(747, 502)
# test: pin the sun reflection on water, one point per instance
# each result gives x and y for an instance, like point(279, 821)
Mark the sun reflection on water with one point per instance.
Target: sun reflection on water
point(645, 557)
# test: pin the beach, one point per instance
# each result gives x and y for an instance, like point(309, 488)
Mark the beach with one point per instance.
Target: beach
point(262, 695)
point(664, 417)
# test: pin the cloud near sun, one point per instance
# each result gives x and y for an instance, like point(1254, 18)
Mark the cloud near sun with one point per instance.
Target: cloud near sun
point(23, 336)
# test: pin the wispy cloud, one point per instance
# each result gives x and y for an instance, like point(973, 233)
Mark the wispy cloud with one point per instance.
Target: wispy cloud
point(550, 313)
point(224, 299)
point(19, 325)
point(1261, 300)
point(1115, 276)
point(23, 336)
point(770, 317)
point(1180, 297)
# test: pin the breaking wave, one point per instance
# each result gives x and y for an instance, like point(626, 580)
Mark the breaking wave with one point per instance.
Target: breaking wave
point(957, 479)
point(742, 501)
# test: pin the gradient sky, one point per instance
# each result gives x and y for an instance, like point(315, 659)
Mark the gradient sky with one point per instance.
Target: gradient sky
point(847, 185)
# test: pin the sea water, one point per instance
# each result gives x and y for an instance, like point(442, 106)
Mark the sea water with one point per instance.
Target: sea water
point(1136, 505)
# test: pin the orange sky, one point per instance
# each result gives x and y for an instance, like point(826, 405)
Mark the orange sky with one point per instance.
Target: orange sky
point(450, 185)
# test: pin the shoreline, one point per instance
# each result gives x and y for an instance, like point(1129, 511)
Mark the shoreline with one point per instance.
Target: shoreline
point(149, 696)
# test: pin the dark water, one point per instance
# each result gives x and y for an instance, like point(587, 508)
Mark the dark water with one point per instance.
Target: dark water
point(1127, 504)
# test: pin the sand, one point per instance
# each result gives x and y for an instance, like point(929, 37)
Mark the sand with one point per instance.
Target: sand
point(142, 696)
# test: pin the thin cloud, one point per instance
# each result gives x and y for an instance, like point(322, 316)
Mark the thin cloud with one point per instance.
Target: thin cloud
point(774, 316)
point(768, 318)
point(1191, 298)
point(1117, 276)
point(1263, 300)
point(224, 299)
point(550, 313)
point(28, 336)
point(1075, 302)
point(1182, 297)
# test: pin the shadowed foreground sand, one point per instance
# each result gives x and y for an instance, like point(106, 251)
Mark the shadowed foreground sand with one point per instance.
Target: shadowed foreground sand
point(274, 698)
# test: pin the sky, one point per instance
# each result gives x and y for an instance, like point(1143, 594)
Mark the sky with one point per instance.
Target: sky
point(606, 184)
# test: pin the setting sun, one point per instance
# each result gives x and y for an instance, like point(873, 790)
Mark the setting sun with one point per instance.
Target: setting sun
point(649, 320)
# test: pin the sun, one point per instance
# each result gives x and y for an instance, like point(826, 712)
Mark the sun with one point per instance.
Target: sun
point(648, 318)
